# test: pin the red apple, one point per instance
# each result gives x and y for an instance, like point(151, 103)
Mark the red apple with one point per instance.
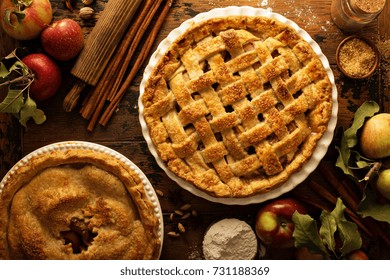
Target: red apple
point(274, 225)
point(47, 76)
point(63, 40)
point(303, 253)
point(25, 19)
point(357, 255)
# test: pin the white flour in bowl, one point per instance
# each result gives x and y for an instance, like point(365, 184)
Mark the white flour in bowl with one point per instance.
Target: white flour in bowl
point(230, 239)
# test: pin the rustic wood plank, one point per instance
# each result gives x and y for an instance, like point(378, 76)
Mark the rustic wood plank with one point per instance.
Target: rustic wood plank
point(123, 132)
point(384, 36)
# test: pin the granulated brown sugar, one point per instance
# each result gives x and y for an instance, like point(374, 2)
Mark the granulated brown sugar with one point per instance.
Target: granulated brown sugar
point(369, 6)
point(384, 48)
point(356, 57)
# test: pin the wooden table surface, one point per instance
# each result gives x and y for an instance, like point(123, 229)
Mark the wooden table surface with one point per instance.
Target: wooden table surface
point(123, 133)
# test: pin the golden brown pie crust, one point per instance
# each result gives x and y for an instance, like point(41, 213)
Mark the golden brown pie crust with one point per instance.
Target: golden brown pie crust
point(77, 192)
point(237, 105)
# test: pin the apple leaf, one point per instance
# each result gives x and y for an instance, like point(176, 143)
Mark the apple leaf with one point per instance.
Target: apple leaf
point(18, 101)
point(3, 72)
point(328, 229)
point(347, 230)
point(26, 3)
point(13, 102)
point(306, 234)
point(369, 207)
point(30, 110)
point(367, 109)
point(349, 139)
point(18, 65)
point(322, 240)
point(350, 236)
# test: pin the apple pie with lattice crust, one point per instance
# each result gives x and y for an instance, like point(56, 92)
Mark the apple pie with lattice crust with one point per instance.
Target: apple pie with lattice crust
point(237, 105)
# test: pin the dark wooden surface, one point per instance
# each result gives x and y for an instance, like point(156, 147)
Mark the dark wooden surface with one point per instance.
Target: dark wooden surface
point(123, 133)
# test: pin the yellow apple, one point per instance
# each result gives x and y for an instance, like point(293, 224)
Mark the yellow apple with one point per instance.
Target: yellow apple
point(375, 136)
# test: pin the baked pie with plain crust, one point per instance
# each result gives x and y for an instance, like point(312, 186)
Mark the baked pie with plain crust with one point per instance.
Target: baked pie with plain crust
point(237, 104)
point(77, 204)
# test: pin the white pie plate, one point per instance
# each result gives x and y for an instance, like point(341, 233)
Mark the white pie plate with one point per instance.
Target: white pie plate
point(68, 145)
point(322, 145)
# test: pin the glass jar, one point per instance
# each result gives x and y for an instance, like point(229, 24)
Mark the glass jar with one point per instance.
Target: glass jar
point(352, 15)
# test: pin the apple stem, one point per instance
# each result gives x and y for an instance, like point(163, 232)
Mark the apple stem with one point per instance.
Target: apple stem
point(374, 169)
point(19, 80)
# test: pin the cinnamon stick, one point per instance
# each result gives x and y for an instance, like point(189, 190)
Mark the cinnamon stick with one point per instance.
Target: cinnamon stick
point(95, 97)
point(323, 206)
point(369, 226)
point(348, 193)
point(150, 13)
point(113, 80)
point(137, 65)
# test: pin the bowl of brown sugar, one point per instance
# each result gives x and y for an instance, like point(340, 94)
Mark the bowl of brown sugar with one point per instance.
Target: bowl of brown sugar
point(357, 57)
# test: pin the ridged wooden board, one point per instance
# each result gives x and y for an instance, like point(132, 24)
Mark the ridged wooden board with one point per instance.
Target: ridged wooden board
point(103, 39)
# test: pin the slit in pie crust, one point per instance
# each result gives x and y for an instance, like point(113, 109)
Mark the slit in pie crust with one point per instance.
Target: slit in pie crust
point(76, 204)
point(237, 105)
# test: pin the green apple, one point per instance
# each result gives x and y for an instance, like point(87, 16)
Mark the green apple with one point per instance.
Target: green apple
point(375, 136)
point(383, 183)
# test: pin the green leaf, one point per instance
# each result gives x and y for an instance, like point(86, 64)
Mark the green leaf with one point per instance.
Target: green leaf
point(18, 101)
point(18, 65)
point(13, 102)
point(4, 72)
point(350, 236)
point(26, 3)
point(369, 207)
point(306, 234)
point(30, 110)
point(349, 138)
point(367, 109)
point(328, 229)
point(348, 231)
point(338, 211)
point(343, 158)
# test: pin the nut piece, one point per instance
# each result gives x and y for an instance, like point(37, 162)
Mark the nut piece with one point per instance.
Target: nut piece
point(185, 207)
point(179, 212)
point(86, 13)
point(186, 216)
point(87, 2)
point(173, 234)
point(181, 228)
point(160, 193)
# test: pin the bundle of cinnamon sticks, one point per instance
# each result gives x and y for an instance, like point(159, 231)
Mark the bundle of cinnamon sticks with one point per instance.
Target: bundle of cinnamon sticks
point(103, 99)
point(336, 185)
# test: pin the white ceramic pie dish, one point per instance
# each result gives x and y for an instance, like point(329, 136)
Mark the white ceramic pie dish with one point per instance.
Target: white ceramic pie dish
point(322, 145)
point(149, 190)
